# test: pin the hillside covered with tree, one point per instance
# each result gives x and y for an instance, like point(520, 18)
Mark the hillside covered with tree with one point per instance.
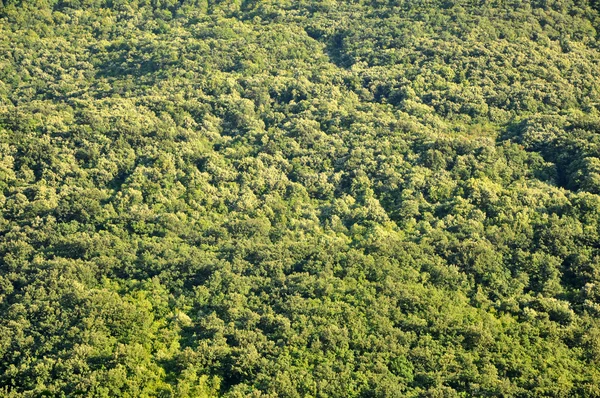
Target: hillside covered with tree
point(294, 198)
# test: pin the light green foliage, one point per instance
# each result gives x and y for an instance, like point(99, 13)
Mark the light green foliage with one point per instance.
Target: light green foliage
point(299, 198)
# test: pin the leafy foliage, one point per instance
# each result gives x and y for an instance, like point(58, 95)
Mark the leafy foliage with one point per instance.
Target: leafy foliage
point(299, 198)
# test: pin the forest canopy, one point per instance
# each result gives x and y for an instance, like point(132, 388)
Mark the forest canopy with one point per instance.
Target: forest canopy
point(367, 198)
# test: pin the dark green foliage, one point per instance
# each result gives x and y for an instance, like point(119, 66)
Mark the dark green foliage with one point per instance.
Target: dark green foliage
point(299, 198)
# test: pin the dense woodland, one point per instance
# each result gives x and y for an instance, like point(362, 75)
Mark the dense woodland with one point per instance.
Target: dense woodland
point(294, 198)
